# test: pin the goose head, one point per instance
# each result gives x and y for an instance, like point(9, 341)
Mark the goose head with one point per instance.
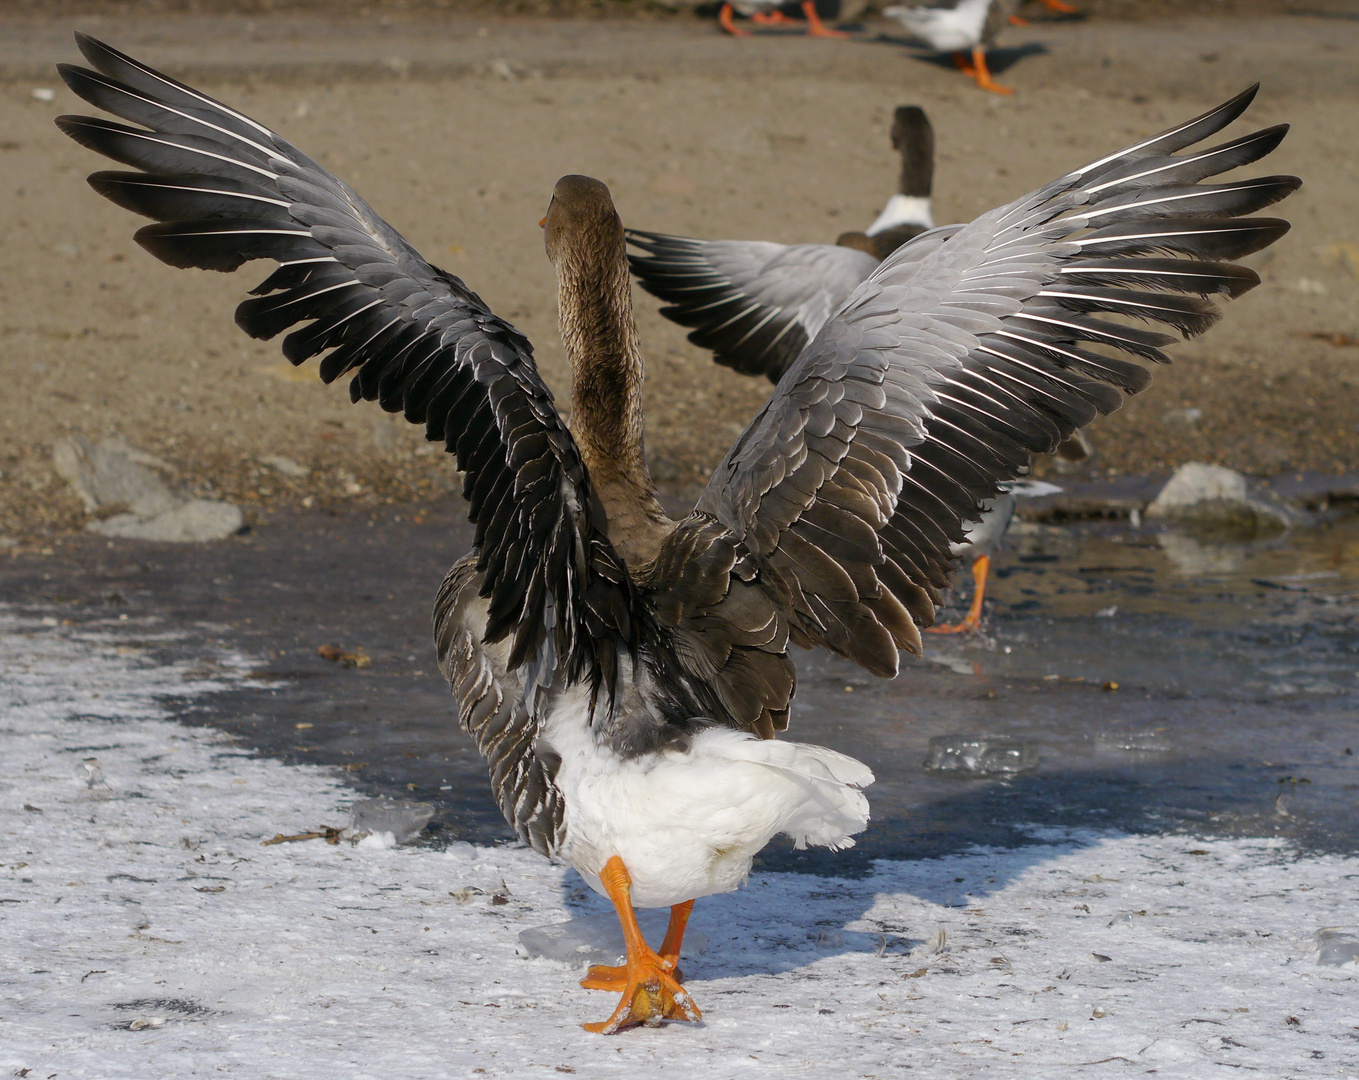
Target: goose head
point(582, 230)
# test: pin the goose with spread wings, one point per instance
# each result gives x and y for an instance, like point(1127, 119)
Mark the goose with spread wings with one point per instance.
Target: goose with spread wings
point(756, 304)
point(624, 673)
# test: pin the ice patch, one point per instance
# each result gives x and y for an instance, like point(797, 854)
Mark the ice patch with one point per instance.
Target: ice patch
point(146, 933)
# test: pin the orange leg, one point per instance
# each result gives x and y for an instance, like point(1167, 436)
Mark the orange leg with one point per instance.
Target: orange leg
point(1058, 5)
point(1019, 20)
point(972, 620)
point(724, 20)
point(978, 70)
point(770, 18)
point(815, 27)
point(650, 992)
point(607, 977)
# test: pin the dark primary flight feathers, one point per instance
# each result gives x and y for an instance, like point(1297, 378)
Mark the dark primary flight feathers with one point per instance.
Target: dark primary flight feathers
point(830, 520)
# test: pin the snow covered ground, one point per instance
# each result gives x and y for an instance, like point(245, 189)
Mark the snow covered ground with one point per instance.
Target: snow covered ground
point(146, 933)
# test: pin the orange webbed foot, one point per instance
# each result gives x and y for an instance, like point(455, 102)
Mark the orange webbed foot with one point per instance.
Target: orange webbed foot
point(651, 995)
point(972, 621)
point(615, 979)
point(649, 981)
point(815, 27)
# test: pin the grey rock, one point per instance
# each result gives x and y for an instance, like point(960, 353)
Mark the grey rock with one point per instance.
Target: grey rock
point(122, 486)
point(192, 522)
point(112, 476)
point(285, 465)
point(1215, 497)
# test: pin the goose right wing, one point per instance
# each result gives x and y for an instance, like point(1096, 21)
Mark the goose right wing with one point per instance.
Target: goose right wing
point(754, 304)
point(958, 360)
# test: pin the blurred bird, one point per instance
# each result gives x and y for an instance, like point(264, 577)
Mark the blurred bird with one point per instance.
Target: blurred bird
point(981, 540)
point(965, 28)
point(767, 13)
point(908, 213)
point(756, 304)
point(625, 673)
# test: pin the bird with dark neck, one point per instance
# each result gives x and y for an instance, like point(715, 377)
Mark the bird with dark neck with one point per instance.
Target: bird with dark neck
point(908, 213)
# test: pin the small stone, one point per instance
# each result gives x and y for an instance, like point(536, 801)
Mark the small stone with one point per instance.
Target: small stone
point(108, 477)
point(285, 465)
point(1215, 497)
point(120, 485)
point(194, 522)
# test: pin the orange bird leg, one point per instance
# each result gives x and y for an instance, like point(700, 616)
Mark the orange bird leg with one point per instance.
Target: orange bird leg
point(1058, 5)
point(607, 977)
point(972, 620)
point(650, 992)
point(724, 20)
point(1019, 20)
point(770, 18)
point(980, 72)
point(963, 64)
point(815, 27)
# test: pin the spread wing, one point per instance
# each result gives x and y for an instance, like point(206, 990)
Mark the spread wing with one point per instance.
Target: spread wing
point(754, 304)
point(960, 358)
point(223, 190)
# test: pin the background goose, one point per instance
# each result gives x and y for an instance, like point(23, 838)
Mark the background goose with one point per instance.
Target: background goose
point(982, 539)
point(623, 673)
point(756, 304)
point(908, 213)
point(767, 12)
point(965, 28)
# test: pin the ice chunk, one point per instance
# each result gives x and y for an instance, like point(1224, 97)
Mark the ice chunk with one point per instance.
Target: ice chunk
point(1136, 741)
point(598, 939)
point(981, 755)
point(402, 819)
point(90, 772)
point(1336, 945)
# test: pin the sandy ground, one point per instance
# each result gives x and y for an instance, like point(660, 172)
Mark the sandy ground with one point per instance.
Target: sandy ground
point(455, 129)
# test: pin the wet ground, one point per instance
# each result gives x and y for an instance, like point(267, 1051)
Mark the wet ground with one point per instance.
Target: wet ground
point(1235, 666)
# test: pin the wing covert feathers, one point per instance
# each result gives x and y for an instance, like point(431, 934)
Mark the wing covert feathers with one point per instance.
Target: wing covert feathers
point(964, 354)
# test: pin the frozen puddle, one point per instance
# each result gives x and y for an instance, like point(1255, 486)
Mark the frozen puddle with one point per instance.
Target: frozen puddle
point(145, 932)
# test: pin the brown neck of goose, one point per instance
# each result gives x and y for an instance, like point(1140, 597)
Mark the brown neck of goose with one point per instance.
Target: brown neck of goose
point(597, 327)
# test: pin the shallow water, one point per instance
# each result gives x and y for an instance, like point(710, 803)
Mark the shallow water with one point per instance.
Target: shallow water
point(1174, 613)
point(1235, 666)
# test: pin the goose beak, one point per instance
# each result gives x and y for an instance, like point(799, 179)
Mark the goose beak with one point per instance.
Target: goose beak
point(542, 222)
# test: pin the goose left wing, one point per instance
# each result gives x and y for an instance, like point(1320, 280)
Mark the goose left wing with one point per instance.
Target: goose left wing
point(754, 304)
point(223, 190)
point(960, 358)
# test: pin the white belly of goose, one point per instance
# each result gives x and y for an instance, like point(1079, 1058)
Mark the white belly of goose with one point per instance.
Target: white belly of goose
point(688, 823)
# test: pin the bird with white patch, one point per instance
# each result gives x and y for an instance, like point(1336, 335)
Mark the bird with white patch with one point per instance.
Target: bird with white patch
point(624, 673)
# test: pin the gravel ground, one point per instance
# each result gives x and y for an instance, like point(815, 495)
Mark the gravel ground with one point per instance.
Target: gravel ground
point(456, 126)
